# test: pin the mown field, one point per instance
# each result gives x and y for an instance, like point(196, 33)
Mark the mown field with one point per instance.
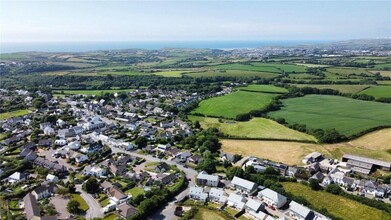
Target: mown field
point(232, 73)
point(261, 128)
point(263, 67)
point(16, 113)
point(342, 88)
point(231, 105)
point(89, 92)
point(337, 205)
point(378, 91)
point(263, 88)
point(347, 116)
point(373, 145)
point(173, 73)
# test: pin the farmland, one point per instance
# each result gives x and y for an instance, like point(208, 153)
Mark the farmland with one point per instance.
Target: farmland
point(173, 73)
point(263, 88)
point(341, 88)
point(348, 116)
point(89, 92)
point(337, 205)
point(347, 71)
point(378, 91)
point(231, 105)
point(373, 145)
point(261, 128)
point(231, 73)
point(263, 67)
point(11, 114)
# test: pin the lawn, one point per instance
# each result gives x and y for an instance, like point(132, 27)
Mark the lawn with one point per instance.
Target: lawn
point(342, 88)
point(261, 128)
point(207, 214)
point(104, 202)
point(347, 116)
point(90, 92)
point(11, 114)
point(2, 136)
point(231, 105)
point(173, 73)
point(232, 73)
point(111, 216)
point(135, 191)
point(337, 205)
point(378, 91)
point(263, 88)
point(83, 205)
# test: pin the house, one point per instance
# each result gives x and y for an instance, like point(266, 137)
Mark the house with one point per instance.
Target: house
point(60, 123)
point(317, 176)
point(227, 157)
point(194, 159)
point(60, 142)
point(45, 143)
point(263, 216)
point(125, 210)
point(166, 179)
point(204, 179)
point(217, 195)
point(94, 171)
point(52, 178)
point(78, 157)
point(17, 177)
point(292, 171)
point(106, 185)
point(161, 167)
point(163, 147)
point(244, 185)
point(313, 157)
point(184, 155)
point(174, 152)
point(236, 201)
point(31, 207)
point(74, 145)
point(197, 193)
point(48, 131)
point(254, 206)
point(43, 191)
point(44, 125)
point(300, 212)
point(117, 196)
point(272, 198)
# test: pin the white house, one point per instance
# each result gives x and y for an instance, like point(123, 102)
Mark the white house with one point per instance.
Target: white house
point(60, 142)
point(300, 212)
point(217, 195)
point(272, 198)
point(48, 131)
point(206, 179)
point(254, 205)
point(197, 193)
point(244, 185)
point(236, 201)
point(51, 178)
point(17, 177)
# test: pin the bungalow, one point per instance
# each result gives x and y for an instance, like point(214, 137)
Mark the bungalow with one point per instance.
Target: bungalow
point(244, 185)
point(126, 211)
point(300, 212)
point(318, 176)
point(293, 171)
point(163, 147)
point(217, 195)
point(236, 201)
point(184, 155)
point(313, 157)
point(227, 157)
point(60, 142)
point(94, 171)
point(60, 123)
point(45, 143)
point(117, 196)
point(48, 131)
point(74, 145)
point(78, 157)
point(162, 167)
point(197, 193)
point(272, 198)
point(44, 125)
point(166, 179)
point(52, 178)
point(17, 177)
point(205, 179)
point(194, 159)
point(174, 152)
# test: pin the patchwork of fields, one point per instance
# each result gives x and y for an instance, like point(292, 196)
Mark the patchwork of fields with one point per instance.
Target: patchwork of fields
point(260, 128)
point(264, 67)
point(347, 116)
point(231, 105)
point(337, 205)
point(341, 88)
point(231, 73)
point(378, 91)
point(263, 88)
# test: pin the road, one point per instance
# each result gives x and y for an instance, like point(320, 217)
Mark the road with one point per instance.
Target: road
point(95, 211)
point(166, 212)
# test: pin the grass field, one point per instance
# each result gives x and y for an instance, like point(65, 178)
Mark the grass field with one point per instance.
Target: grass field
point(16, 113)
point(173, 73)
point(384, 82)
point(90, 92)
point(373, 145)
point(342, 88)
point(135, 191)
point(347, 71)
point(229, 106)
point(232, 73)
point(337, 205)
point(263, 88)
point(83, 205)
point(382, 72)
point(347, 116)
point(263, 67)
point(121, 73)
point(378, 91)
point(111, 216)
point(206, 214)
point(255, 128)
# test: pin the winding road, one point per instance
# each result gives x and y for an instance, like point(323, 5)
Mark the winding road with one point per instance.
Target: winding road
point(95, 211)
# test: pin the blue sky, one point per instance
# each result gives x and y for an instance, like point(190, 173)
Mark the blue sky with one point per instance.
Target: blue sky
point(27, 21)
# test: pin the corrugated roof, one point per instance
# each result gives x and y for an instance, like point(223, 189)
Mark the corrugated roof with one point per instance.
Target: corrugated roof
point(368, 160)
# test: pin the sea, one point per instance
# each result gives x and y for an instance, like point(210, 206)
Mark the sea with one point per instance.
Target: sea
point(13, 47)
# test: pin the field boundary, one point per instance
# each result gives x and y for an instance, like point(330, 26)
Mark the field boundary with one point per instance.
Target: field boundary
point(267, 139)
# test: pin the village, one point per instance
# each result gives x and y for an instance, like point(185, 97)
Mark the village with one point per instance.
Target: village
point(75, 155)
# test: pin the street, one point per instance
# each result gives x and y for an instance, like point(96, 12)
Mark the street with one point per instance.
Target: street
point(95, 210)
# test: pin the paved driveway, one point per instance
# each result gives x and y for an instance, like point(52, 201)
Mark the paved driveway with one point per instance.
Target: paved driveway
point(95, 210)
point(60, 203)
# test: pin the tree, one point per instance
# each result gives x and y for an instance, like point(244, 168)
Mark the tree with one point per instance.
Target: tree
point(73, 207)
point(62, 191)
point(208, 165)
point(91, 186)
point(234, 171)
point(314, 184)
point(334, 189)
point(197, 124)
point(141, 142)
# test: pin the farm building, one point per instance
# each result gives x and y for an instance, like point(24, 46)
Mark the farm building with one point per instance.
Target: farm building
point(365, 165)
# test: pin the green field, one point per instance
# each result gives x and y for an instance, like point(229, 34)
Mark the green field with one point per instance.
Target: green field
point(263, 67)
point(337, 205)
point(342, 88)
point(256, 128)
point(173, 73)
point(90, 92)
point(347, 71)
point(263, 88)
point(347, 116)
point(16, 113)
point(378, 91)
point(231, 105)
point(207, 214)
point(232, 73)
point(122, 73)
point(135, 191)
point(83, 205)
